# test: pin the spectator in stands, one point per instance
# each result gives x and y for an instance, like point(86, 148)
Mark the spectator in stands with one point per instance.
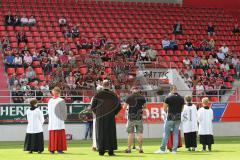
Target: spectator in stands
point(46, 64)
point(30, 74)
point(200, 89)
point(211, 44)
point(18, 62)
point(210, 30)
point(13, 80)
point(204, 45)
point(62, 21)
point(209, 89)
point(5, 42)
point(204, 63)
point(17, 94)
point(44, 88)
point(71, 81)
point(152, 53)
point(24, 20)
point(23, 79)
point(237, 67)
point(9, 59)
point(103, 41)
point(224, 49)
point(186, 61)
point(16, 21)
point(97, 43)
point(234, 60)
point(21, 37)
point(27, 60)
point(224, 66)
point(143, 55)
point(212, 61)
point(220, 55)
point(196, 61)
point(173, 44)
point(124, 48)
point(66, 46)
point(67, 32)
point(32, 21)
point(177, 28)
point(71, 59)
point(166, 43)
point(75, 32)
point(188, 46)
point(189, 72)
point(236, 29)
point(9, 19)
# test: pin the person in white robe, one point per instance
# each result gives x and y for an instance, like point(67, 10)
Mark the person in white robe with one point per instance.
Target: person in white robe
point(189, 124)
point(57, 112)
point(205, 131)
point(34, 141)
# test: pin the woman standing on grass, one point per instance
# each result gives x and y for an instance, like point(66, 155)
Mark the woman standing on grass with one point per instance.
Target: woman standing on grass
point(34, 136)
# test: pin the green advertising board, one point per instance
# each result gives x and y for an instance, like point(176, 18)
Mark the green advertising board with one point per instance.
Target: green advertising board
point(16, 113)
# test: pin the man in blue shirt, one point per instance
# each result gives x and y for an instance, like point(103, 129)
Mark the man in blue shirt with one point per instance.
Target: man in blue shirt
point(9, 61)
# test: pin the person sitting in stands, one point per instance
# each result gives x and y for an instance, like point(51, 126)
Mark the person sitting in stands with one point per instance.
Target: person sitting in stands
point(166, 43)
point(186, 61)
point(9, 19)
point(21, 37)
point(62, 21)
point(212, 61)
point(18, 62)
point(196, 44)
point(173, 44)
point(204, 63)
point(204, 45)
point(195, 61)
point(30, 74)
point(71, 81)
point(152, 53)
point(211, 44)
point(16, 21)
point(224, 49)
point(210, 30)
point(220, 55)
point(75, 32)
point(9, 59)
point(188, 46)
point(24, 20)
point(31, 21)
point(143, 55)
point(236, 29)
point(27, 59)
point(200, 89)
point(177, 28)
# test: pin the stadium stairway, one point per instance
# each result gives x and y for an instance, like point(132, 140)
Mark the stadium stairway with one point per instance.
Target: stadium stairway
point(4, 91)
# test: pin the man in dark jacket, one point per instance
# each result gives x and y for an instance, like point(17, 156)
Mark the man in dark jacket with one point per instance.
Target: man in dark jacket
point(106, 105)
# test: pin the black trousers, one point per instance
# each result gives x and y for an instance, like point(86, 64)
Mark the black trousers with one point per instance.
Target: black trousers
point(190, 139)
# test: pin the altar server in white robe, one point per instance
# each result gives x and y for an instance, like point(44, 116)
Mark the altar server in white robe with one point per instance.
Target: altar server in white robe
point(189, 124)
point(205, 118)
point(34, 136)
point(57, 111)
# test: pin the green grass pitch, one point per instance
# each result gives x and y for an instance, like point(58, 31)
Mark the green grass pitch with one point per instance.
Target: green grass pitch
point(225, 148)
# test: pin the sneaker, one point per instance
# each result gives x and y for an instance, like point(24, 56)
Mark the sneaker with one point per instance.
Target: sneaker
point(140, 151)
point(127, 151)
point(203, 150)
point(193, 149)
point(159, 152)
point(174, 152)
point(60, 152)
point(30, 152)
point(52, 152)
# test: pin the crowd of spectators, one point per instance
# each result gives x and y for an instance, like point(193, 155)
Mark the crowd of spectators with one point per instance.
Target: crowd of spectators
point(15, 20)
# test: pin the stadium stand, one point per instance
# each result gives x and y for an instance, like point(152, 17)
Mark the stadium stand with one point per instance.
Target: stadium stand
point(96, 44)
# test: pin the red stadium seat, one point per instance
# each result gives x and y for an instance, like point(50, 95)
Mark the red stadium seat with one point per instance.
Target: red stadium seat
point(20, 70)
point(38, 70)
point(10, 71)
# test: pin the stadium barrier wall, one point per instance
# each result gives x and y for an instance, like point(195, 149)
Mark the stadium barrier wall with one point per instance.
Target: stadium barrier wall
point(13, 121)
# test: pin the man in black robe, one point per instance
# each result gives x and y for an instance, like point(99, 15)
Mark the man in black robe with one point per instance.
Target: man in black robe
point(106, 105)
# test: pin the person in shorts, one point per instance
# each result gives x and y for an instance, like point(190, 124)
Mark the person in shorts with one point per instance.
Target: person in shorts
point(134, 104)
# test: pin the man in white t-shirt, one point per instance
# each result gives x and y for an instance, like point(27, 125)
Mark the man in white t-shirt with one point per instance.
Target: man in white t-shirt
point(24, 20)
point(224, 49)
point(62, 21)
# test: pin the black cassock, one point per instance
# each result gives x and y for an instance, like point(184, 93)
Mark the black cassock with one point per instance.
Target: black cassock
point(106, 105)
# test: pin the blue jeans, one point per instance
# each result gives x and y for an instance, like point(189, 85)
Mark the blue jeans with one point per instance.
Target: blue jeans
point(168, 126)
point(89, 128)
